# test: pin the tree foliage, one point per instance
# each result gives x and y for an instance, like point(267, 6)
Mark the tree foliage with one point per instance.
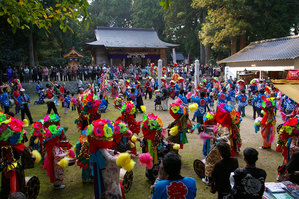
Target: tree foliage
point(148, 14)
point(259, 19)
point(27, 13)
point(182, 25)
point(115, 13)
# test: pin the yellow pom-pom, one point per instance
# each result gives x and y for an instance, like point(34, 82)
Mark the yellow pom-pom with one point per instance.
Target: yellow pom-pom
point(193, 107)
point(143, 108)
point(63, 163)
point(176, 147)
point(134, 138)
point(174, 130)
point(36, 140)
point(132, 145)
point(26, 123)
point(124, 160)
point(37, 156)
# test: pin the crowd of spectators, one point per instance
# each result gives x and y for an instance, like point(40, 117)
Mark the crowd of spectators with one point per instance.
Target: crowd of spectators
point(87, 73)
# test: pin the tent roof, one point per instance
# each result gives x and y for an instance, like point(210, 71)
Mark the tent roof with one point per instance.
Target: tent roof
point(270, 49)
point(128, 38)
point(288, 87)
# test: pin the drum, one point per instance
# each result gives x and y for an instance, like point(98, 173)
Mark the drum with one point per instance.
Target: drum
point(278, 128)
point(250, 101)
point(199, 167)
point(32, 187)
point(126, 179)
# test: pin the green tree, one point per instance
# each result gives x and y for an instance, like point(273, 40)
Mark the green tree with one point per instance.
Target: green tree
point(182, 26)
point(25, 13)
point(230, 20)
point(148, 14)
point(115, 13)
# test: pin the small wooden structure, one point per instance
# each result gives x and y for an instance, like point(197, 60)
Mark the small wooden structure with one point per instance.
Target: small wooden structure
point(73, 58)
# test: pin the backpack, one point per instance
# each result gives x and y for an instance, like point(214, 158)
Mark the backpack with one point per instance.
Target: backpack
point(250, 187)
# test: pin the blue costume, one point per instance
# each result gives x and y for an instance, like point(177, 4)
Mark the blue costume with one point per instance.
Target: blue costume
point(223, 98)
point(182, 188)
point(242, 103)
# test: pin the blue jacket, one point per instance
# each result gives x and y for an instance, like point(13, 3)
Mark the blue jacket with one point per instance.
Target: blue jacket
point(202, 104)
point(5, 99)
point(223, 98)
point(22, 100)
point(242, 100)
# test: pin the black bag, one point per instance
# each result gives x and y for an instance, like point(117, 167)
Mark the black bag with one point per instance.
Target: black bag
point(27, 159)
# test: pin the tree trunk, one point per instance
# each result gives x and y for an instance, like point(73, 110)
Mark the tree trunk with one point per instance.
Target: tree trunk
point(202, 54)
point(243, 41)
point(31, 51)
point(233, 43)
point(207, 53)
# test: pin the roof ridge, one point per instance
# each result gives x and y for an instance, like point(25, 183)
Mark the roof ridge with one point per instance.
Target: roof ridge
point(130, 29)
point(274, 39)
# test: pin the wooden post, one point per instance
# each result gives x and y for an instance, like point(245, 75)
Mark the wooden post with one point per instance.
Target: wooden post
point(159, 72)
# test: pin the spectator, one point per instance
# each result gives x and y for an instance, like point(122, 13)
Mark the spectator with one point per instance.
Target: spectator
point(173, 184)
point(250, 181)
point(4, 98)
point(45, 73)
point(65, 74)
point(26, 74)
point(222, 170)
point(34, 74)
point(40, 74)
point(24, 100)
point(9, 73)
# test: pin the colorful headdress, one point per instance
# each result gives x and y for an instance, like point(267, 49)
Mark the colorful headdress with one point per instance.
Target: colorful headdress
point(209, 118)
point(11, 129)
point(268, 103)
point(151, 122)
point(51, 119)
point(53, 131)
point(215, 79)
point(90, 104)
point(128, 108)
point(227, 115)
point(177, 110)
point(37, 128)
point(181, 79)
point(241, 82)
point(120, 127)
point(100, 134)
point(100, 128)
point(254, 81)
point(118, 102)
point(288, 131)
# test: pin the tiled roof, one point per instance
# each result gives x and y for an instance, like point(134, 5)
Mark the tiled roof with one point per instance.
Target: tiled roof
point(128, 38)
point(271, 49)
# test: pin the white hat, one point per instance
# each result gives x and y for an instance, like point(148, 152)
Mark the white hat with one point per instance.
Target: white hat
point(22, 90)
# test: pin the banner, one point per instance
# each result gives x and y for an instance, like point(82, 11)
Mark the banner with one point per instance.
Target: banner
point(293, 75)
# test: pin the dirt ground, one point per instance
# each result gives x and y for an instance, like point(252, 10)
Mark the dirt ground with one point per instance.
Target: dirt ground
point(269, 160)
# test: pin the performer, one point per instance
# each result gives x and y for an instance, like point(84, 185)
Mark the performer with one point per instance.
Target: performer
point(153, 143)
point(100, 137)
point(11, 149)
point(268, 123)
point(181, 126)
point(128, 111)
point(54, 154)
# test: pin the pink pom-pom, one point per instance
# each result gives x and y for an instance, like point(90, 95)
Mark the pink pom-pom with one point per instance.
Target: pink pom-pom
point(188, 96)
point(146, 159)
point(178, 100)
point(71, 153)
point(204, 136)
